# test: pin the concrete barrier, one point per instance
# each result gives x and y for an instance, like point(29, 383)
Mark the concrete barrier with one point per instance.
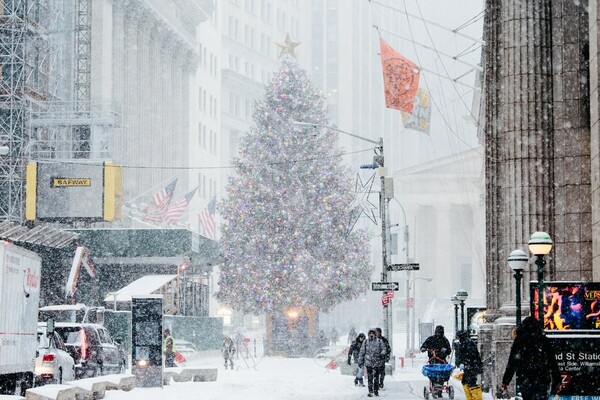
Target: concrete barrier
point(58, 392)
point(82, 389)
point(189, 374)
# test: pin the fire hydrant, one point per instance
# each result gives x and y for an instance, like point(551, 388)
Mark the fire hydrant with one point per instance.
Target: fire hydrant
point(401, 362)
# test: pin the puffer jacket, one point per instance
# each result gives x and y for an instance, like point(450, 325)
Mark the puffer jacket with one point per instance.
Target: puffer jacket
point(372, 353)
point(355, 350)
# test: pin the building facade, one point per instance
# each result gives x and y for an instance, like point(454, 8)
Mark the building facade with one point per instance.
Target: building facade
point(539, 147)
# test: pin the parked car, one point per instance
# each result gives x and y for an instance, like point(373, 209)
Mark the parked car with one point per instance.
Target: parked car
point(91, 346)
point(187, 349)
point(332, 352)
point(53, 364)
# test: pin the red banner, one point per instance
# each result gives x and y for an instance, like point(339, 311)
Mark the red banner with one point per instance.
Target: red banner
point(400, 79)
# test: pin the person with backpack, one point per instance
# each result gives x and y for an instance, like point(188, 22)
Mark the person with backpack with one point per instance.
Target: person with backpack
point(353, 353)
point(469, 361)
point(388, 351)
point(533, 361)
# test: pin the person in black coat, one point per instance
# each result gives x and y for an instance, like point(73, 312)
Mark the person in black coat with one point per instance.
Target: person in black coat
point(437, 346)
point(388, 351)
point(534, 362)
point(469, 361)
point(353, 352)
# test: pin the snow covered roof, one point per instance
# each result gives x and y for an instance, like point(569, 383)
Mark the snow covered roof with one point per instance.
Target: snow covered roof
point(65, 307)
point(145, 285)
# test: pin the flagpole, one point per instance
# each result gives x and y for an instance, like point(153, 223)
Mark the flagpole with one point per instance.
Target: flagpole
point(153, 188)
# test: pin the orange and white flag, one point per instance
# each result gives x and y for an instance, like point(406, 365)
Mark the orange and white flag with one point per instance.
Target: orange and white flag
point(400, 78)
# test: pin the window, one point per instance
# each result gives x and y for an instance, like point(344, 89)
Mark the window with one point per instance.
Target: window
point(104, 336)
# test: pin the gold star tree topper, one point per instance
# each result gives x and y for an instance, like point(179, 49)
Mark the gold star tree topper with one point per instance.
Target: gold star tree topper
point(287, 47)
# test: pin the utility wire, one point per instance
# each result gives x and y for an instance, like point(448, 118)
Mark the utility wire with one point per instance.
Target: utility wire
point(476, 67)
point(454, 31)
point(191, 168)
point(470, 21)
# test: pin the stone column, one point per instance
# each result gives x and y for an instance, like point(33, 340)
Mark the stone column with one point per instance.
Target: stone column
point(537, 157)
point(519, 147)
point(594, 24)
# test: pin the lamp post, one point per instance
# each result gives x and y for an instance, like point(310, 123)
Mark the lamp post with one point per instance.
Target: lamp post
point(540, 244)
point(517, 261)
point(456, 302)
point(462, 295)
point(378, 162)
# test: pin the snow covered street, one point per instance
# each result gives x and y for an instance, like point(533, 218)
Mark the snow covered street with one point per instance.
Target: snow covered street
point(284, 378)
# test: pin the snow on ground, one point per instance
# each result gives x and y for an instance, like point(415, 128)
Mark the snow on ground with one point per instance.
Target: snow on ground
point(277, 378)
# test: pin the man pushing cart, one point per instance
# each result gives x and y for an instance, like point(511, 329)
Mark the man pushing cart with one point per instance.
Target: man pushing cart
point(437, 368)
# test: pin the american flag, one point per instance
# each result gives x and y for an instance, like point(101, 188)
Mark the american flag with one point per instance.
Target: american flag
point(175, 212)
point(163, 197)
point(206, 219)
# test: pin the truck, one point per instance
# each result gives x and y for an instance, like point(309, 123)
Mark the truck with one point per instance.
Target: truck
point(20, 279)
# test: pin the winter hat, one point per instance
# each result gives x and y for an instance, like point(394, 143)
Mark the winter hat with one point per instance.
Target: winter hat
point(462, 334)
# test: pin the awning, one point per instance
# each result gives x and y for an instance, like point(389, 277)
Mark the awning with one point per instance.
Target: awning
point(40, 235)
point(144, 286)
point(149, 246)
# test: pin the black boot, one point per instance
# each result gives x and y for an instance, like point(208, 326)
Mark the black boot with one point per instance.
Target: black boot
point(355, 382)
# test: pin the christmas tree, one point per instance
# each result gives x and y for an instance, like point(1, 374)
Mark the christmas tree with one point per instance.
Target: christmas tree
point(285, 240)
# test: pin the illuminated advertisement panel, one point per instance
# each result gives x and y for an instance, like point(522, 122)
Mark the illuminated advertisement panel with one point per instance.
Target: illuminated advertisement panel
point(568, 306)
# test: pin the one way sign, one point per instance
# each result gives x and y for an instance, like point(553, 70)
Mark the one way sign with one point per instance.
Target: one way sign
point(385, 286)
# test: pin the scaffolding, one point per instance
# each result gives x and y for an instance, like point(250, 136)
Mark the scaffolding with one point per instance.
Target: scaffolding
point(27, 62)
point(45, 85)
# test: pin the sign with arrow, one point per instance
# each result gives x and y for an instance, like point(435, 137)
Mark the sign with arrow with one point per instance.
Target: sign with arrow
point(403, 267)
point(385, 286)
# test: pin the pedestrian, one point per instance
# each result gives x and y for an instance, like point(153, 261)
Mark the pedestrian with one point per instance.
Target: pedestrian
point(372, 355)
point(469, 361)
point(388, 351)
point(228, 350)
point(438, 349)
point(533, 360)
point(352, 335)
point(334, 336)
point(437, 346)
point(354, 352)
point(168, 349)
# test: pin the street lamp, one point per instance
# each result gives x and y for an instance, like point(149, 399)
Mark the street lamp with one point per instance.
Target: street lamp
point(540, 244)
point(517, 261)
point(462, 295)
point(456, 302)
point(378, 162)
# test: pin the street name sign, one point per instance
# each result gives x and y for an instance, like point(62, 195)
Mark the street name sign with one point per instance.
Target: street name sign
point(385, 286)
point(403, 267)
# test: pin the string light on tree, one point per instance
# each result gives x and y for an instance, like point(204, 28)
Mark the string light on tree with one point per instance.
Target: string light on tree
point(285, 243)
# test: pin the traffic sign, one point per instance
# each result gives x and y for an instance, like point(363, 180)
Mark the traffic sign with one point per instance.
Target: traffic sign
point(403, 267)
point(385, 286)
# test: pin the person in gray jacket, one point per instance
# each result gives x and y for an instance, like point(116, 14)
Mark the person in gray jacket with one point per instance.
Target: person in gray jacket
point(372, 355)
